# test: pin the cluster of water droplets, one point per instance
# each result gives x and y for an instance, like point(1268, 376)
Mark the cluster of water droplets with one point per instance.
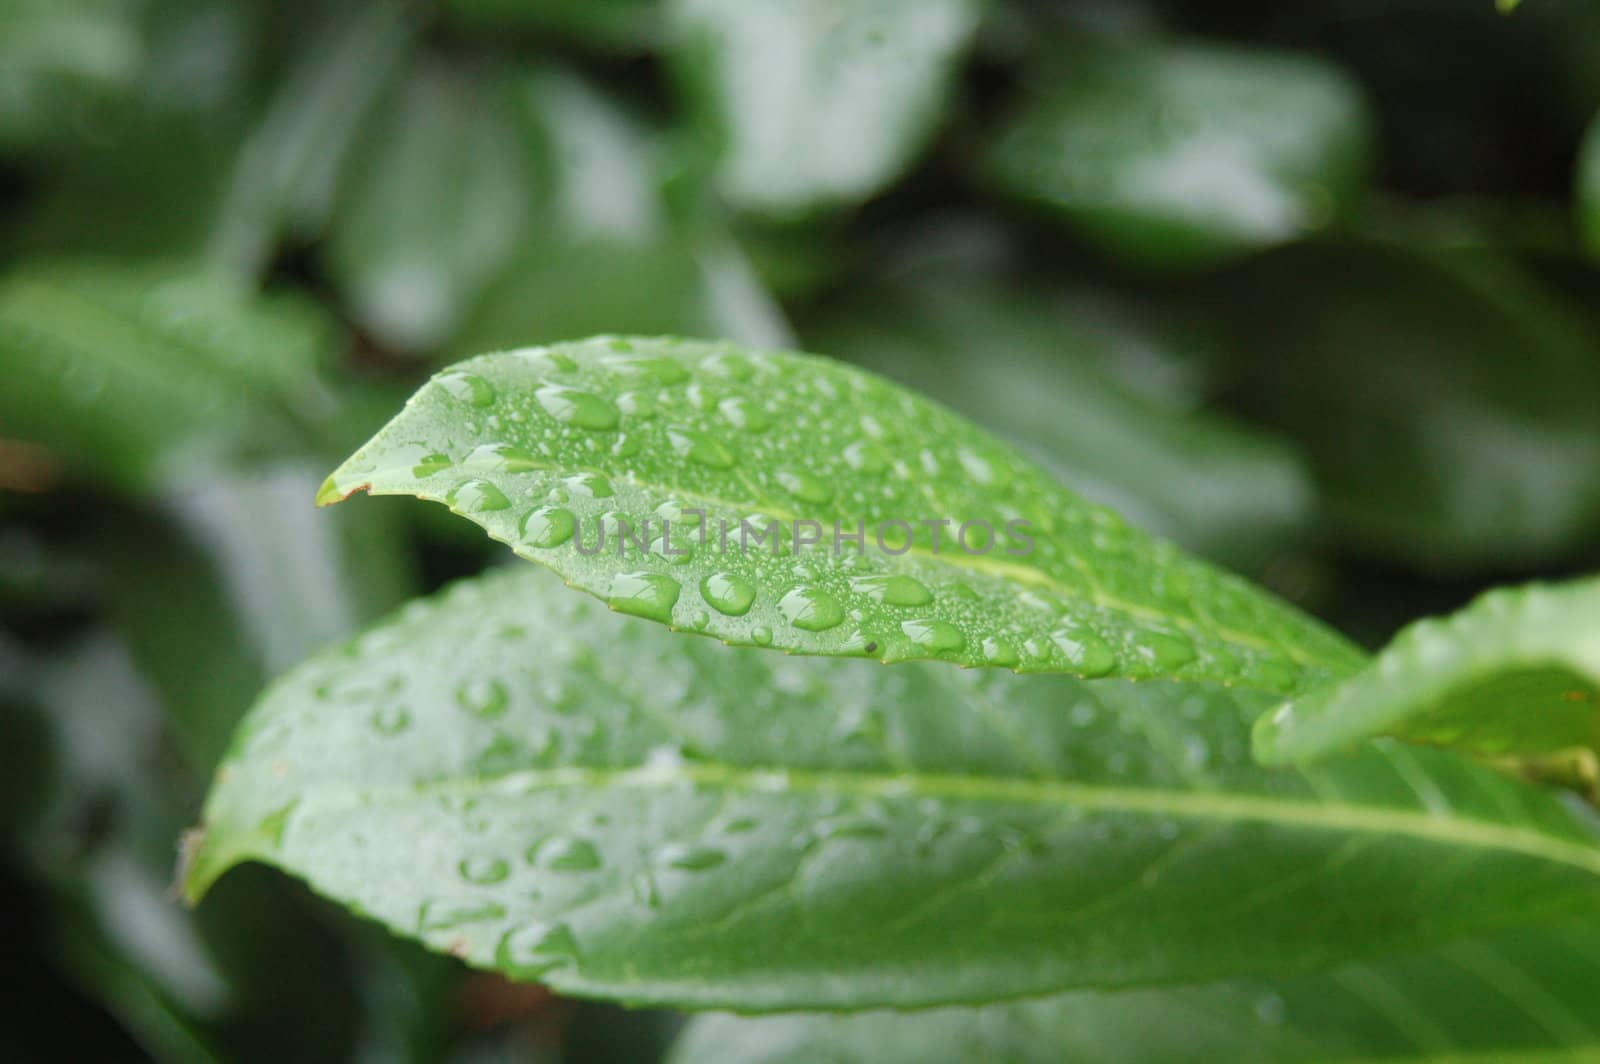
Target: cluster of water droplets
point(709, 424)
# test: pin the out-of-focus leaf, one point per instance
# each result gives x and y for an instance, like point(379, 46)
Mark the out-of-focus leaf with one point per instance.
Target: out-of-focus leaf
point(550, 448)
point(1187, 153)
point(190, 986)
point(58, 60)
point(510, 774)
point(285, 180)
point(437, 199)
point(1516, 673)
point(1525, 997)
point(1012, 357)
point(600, 252)
point(815, 104)
point(246, 578)
point(611, 22)
point(131, 374)
point(1589, 187)
point(152, 187)
point(1446, 401)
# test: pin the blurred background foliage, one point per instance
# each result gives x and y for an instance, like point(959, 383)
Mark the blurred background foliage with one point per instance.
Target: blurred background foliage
point(1310, 288)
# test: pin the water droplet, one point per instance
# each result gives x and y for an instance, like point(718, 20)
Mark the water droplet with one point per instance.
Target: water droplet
point(811, 609)
point(637, 404)
point(699, 620)
point(588, 485)
point(892, 590)
point(644, 594)
point(941, 637)
point(483, 870)
point(851, 828)
point(693, 858)
point(476, 496)
point(467, 387)
point(663, 371)
point(483, 698)
point(729, 367)
point(761, 635)
point(699, 447)
point(745, 413)
point(548, 526)
point(561, 854)
point(430, 464)
point(577, 408)
point(976, 466)
point(1271, 1010)
point(1271, 675)
point(804, 486)
point(533, 949)
point(391, 719)
point(441, 914)
point(1086, 652)
point(728, 593)
point(502, 458)
point(1165, 651)
point(999, 652)
point(864, 457)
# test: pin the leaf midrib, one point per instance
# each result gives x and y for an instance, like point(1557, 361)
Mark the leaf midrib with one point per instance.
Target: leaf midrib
point(1024, 574)
point(1197, 805)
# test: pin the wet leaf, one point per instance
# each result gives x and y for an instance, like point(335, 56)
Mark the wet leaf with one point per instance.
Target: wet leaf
point(1021, 360)
point(1187, 153)
point(710, 488)
point(1521, 997)
point(510, 774)
point(816, 104)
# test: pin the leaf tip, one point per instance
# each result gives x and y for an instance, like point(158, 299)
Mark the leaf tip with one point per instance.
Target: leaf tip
point(331, 492)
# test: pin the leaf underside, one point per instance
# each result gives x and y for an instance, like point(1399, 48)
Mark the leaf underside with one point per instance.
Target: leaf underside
point(1514, 674)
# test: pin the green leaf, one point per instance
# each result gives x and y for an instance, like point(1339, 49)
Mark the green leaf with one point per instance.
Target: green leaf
point(249, 579)
point(626, 23)
point(1187, 153)
point(1516, 673)
point(135, 373)
point(436, 200)
point(1024, 361)
point(510, 774)
point(56, 57)
point(1443, 399)
point(816, 104)
point(574, 453)
point(287, 172)
point(1526, 997)
point(1589, 187)
point(598, 250)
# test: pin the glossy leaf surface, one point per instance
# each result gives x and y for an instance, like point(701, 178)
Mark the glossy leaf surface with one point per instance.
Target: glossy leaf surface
point(814, 103)
point(644, 471)
point(1187, 153)
point(1526, 997)
point(1516, 673)
point(511, 774)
